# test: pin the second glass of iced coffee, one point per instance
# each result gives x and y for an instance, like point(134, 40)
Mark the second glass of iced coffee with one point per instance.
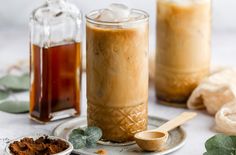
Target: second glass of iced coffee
point(183, 52)
point(117, 71)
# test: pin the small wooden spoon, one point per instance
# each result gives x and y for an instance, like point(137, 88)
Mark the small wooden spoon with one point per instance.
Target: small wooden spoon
point(155, 140)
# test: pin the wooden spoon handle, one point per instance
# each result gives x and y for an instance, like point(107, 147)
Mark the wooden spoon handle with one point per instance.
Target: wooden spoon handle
point(177, 121)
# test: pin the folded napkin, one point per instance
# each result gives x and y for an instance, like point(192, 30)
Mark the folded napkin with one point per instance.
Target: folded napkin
point(226, 118)
point(215, 91)
point(217, 94)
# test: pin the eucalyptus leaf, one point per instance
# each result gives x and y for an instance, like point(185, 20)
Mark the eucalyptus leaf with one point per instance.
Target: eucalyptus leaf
point(221, 144)
point(90, 144)
point(220, 141)
point(15, 83)
point(220, 152)
point(77, 131)
point(87, 137)
point(93, 133)
point(4, 94)
point(78, 141)
point(14, 106)
point(234, 140)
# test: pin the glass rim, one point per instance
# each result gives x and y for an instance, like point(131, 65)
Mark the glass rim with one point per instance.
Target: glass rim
point(112, 23)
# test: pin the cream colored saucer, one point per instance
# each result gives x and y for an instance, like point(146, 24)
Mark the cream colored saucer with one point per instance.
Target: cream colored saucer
point(176, 140)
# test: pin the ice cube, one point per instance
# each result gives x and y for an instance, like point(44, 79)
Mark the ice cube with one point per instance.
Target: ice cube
point(120, 11)
point(106, 15)
point(115, 13)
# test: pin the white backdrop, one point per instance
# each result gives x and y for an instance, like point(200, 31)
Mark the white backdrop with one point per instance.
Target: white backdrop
point(16, 12)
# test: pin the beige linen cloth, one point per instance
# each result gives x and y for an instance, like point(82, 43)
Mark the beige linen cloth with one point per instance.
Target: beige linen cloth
point(217, 94)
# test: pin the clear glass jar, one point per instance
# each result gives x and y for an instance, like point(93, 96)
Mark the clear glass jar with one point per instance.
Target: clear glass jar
point(55, 61)
point(117, 73)
point(183, 48)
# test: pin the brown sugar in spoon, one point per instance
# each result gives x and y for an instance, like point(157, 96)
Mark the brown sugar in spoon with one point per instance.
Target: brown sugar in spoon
point(155, 140)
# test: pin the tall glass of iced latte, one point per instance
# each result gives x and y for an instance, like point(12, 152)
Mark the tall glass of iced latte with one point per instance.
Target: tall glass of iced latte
point(183, 48)
point(117, 71)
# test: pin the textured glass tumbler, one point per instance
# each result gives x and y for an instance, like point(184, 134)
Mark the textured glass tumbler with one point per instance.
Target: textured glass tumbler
point(117, 76)
point(183, 48)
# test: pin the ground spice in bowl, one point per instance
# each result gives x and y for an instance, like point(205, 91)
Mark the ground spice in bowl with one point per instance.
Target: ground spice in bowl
point(40, 146)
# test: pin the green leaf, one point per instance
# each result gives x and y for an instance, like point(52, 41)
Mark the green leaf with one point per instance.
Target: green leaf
point(234, 140)
point(85, 138)
point(220, 152)
point(15, 83)
point(93, 135)
point(4, 94)
point(220, 141)
point(78, 141)
point(221, 144)
point(14, 106)
point(77, 131)
point(93, 131)
point(90, 144)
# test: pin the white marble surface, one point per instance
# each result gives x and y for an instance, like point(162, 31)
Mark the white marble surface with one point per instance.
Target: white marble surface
point(14, 46)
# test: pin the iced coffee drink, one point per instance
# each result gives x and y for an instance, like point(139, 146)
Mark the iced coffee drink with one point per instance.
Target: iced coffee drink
point(117, 71)
point(183, 48)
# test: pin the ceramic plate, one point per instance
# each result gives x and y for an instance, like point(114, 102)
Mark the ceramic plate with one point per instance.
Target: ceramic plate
point(175, 141)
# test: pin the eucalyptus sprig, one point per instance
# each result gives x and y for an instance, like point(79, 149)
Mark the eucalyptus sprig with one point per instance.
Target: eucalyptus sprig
point(4, 94)
point(10, 87)
point(87, 137)
point(221, 144)
point(14, 82)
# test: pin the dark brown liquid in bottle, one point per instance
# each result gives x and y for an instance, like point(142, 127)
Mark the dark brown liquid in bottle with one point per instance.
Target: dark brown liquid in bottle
point(55, 80)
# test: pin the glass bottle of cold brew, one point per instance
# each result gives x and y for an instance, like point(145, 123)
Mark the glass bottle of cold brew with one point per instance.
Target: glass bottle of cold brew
point(55, 61)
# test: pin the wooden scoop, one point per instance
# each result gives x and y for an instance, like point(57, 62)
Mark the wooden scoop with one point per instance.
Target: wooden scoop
point(155, 140)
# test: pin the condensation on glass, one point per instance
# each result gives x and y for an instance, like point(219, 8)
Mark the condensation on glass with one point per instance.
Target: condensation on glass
point(55, 61)
point(183, 48)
